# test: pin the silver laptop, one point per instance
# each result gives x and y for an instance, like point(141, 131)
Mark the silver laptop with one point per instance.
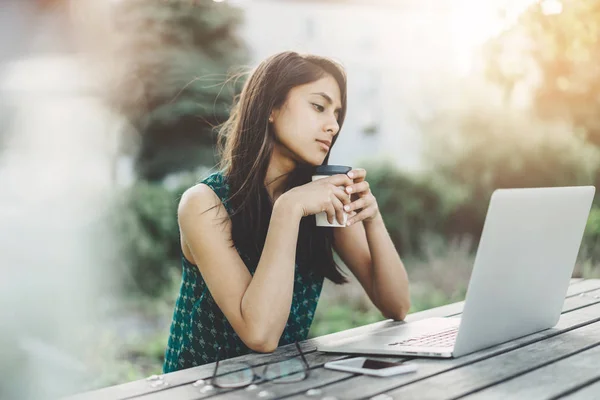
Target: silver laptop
point(526, 255)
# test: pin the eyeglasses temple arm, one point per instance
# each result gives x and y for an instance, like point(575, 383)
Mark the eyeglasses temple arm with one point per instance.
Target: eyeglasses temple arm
point(216, 365)
point(302, 355)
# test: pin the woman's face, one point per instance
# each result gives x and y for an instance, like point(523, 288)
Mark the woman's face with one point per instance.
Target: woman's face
point(306, 123)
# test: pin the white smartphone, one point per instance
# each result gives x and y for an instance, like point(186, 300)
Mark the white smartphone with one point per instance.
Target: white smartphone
point(370, 366)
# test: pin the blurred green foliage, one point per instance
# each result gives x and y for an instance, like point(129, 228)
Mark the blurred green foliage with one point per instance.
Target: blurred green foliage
point(175, 58)
point(144, 221)
point(413, 206)
point(337, 317)
point(481, 148)
point(591, 238)
point(450, 199)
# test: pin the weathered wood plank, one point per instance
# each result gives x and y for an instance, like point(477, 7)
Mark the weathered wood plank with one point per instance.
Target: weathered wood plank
point(462, 381)
point(174, 379)
point(429, 368)
point(316, 379)
point(189, 392)
point(563, 375)
point(590, 391)
point(442, 311)
point(583, 286)
point(140, 387)
point(187, 376)
point(581, 300)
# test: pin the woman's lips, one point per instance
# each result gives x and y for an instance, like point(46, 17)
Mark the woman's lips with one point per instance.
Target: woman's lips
point(324, 145)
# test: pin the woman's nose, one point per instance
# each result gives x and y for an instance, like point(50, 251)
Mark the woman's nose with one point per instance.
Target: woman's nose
point(332, 127)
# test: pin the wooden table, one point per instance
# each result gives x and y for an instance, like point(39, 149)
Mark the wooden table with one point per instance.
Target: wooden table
point(562, 362)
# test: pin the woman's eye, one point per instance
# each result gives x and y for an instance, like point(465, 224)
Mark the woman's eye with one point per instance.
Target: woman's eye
point(319, 107)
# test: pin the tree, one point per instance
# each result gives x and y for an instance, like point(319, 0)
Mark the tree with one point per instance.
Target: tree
point(562, 41)
point(174, 57)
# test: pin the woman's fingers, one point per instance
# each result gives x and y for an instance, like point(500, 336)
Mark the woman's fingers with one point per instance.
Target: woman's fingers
point(330, 210)
point(357, 174)
point(337, 199)
point(359, 187)
point(364, 214)
point(340, 180)
point(341, 194)
point(335, 210)
point(339, 210)
point(357, 204)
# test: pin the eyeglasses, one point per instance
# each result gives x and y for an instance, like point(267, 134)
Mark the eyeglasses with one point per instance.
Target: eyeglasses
point(239, 374)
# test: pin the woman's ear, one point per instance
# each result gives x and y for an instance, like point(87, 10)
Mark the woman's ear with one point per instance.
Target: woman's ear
point(274, 114)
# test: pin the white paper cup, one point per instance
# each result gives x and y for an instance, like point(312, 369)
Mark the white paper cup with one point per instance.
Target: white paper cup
point(326, 171)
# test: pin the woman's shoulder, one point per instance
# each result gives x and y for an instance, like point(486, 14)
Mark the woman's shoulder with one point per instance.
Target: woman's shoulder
point(216, 178)
point(217, 181)
point(209, 192)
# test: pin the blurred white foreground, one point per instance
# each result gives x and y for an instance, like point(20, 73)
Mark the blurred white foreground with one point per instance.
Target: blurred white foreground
point(56, 159)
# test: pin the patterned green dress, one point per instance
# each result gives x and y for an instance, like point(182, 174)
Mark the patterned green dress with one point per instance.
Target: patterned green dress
point(199, 327)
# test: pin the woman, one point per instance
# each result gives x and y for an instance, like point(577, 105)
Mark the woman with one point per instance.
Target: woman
point(253, 265)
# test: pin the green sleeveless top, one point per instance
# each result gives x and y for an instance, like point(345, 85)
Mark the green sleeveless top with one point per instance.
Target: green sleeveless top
point(199, 327)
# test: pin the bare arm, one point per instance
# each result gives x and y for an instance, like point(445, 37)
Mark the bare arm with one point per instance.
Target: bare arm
point(267, 301)
point(368, 251)
point(390, 281)
point(256, 308)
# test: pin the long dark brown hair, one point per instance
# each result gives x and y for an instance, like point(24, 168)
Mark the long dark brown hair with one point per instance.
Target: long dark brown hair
point(246, 141)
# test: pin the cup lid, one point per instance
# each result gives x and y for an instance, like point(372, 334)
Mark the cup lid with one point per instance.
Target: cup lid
point(331, 170)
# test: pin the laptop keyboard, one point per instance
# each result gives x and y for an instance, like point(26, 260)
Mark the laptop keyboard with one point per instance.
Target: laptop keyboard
point(445, 338)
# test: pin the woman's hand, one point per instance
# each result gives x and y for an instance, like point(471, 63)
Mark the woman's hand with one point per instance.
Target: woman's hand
point(364, 205)
point(323, 195)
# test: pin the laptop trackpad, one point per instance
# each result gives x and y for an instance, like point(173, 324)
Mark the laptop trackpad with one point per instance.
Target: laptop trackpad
point(412, 329)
